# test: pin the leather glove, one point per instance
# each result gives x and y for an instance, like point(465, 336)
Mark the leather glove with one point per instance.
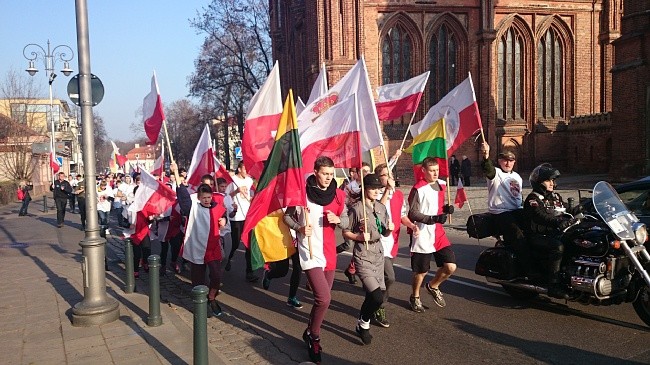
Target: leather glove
point(442, 218)
point(566, 223)
point(448, 209)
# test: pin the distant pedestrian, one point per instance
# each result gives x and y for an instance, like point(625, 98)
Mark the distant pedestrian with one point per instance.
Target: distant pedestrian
point(454, 170)
point(80, 192)
point(72, 179)
point(25, 187)
point(466, 171)
point(61, 188)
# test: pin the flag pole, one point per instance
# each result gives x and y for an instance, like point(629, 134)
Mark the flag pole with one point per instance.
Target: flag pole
point(469, 74)
point(171, 154)
point(401, 146)
point(306, 209)
point(444, 133)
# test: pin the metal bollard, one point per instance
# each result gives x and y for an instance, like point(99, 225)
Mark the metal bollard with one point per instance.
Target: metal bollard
point(569, 203)
point(200, 298)
point(154, 319)
point(44, 203)
point(129, 283)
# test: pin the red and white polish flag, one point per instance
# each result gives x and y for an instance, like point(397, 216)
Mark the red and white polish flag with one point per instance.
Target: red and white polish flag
point(356, 81)
point(262, 120)
point(152, 197)
point(152, 112)
point(461, 197)
point(336, 135)
point(398, 99)
point(202, 161)
point(460, 111)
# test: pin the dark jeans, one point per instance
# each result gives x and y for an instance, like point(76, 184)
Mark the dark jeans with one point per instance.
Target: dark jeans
point(71, 199)
point(279, 269)
point(23, 208)
point(81, 202)
point(466, 180)
point(60, 209)
point(509, 226)
point(176, 244)
point(236, 228)
point(551, 250)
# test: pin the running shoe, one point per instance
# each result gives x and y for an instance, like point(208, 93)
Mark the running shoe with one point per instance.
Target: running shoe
point(416, 304)
point(380, 318)
point(215, 308)
point(437, 296)
point(294, 302)
point(314, 348)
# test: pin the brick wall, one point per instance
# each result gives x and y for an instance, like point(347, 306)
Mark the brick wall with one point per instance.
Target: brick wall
point(338, 40)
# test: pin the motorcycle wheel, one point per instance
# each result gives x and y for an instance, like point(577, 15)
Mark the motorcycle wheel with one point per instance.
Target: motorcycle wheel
point(519, 294)
point(642, 305)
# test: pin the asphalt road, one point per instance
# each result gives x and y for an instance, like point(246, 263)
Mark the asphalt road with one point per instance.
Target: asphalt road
point(481, 323)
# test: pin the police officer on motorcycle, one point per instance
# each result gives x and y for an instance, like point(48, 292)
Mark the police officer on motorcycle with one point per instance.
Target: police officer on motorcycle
point(545, 220)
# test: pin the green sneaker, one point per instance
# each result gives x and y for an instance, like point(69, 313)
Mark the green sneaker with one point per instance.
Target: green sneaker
point(380, 318)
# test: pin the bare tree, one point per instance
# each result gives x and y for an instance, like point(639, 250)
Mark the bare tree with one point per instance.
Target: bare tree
point(235, 58)
point(184, 124)
point(24, 124)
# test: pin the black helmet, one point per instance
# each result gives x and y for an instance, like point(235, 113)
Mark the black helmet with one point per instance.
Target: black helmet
point(542, 173)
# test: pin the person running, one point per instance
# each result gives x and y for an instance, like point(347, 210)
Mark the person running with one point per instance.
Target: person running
point(428, 211)
point(202, 246)
point(368, 223)
point(240, 192)
point(317, 243)
point(397, 209)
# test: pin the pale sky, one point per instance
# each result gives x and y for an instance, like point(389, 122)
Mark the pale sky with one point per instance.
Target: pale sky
point(129, 39)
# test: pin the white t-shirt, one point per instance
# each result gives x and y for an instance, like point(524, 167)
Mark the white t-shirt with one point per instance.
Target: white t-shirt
point(103, 204)
point(504, 192)
point(242, 199)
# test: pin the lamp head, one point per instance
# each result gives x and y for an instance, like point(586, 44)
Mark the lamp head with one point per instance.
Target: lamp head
point(31, 70)
point(66, 69)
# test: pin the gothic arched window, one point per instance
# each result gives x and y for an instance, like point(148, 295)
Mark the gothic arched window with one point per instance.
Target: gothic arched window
point(443, 64)
point(396, 51)
point(550, 76)
point(510, 77)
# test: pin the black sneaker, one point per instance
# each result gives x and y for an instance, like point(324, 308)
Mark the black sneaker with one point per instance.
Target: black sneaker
point(352, 279)
point(364, 334)
point(251, 278)
point(313, 347)
point(266, 282)
point(215, 308)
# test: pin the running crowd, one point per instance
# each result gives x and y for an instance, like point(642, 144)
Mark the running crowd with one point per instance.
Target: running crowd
point(206, 222)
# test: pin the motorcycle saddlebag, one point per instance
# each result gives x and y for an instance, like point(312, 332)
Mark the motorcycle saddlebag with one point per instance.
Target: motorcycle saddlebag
point(498, 263)
point(481, 226)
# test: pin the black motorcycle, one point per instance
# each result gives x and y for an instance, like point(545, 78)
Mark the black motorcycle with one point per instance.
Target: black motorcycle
point(605, 259)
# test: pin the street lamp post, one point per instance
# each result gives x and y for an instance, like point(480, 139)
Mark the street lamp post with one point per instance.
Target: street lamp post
point(33, 52)
point(96, 308)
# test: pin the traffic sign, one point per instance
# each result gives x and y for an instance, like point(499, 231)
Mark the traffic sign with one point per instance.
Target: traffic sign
point(238, 154)
point(96, 86)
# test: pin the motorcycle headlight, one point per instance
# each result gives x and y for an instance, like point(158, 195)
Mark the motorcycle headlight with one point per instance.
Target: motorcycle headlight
point(640, 233)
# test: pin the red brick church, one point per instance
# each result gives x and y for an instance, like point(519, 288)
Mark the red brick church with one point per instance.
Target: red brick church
point(542, 70)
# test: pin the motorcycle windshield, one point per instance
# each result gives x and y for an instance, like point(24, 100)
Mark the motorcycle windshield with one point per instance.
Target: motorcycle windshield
point(613, 211)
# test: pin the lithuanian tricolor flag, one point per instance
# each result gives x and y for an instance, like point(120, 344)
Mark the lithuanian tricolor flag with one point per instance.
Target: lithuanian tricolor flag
point(430, 143)
point(281, 185)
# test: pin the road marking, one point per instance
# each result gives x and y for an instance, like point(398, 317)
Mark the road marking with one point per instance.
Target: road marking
point(457, 281)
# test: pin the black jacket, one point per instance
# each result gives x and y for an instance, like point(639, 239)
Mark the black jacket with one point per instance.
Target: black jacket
point(541, 212)
point(61, 189)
